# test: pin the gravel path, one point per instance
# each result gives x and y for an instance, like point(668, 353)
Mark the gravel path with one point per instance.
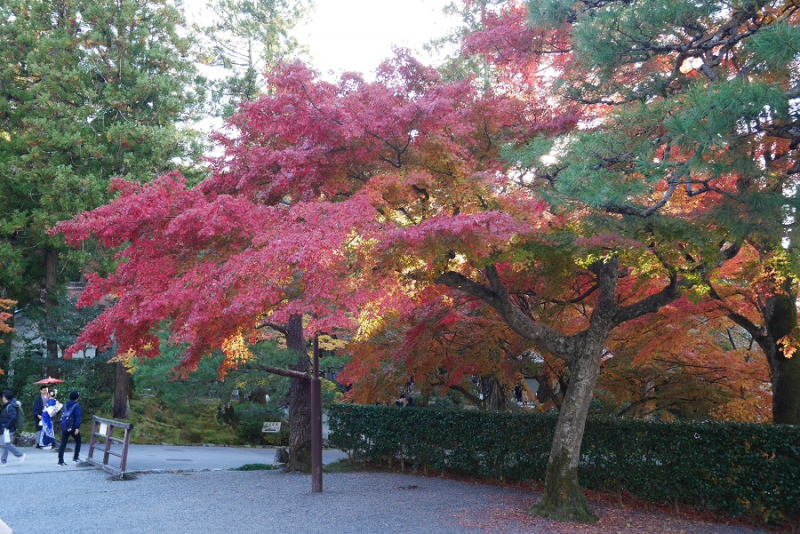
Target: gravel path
point(272, 502)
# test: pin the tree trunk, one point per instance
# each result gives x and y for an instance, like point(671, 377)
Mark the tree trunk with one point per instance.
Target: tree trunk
point(780, 318)
point(299, 400)
point(496, 399)
point(785, 389)
point(563, 499)
point(120, 406)
point(51, 271)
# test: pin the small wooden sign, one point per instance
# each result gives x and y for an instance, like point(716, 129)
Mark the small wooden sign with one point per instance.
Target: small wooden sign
point(271, 427)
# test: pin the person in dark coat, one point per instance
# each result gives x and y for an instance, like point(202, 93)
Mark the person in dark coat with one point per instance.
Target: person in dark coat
point(71, 426)
point(38, 408)
point(8, 426)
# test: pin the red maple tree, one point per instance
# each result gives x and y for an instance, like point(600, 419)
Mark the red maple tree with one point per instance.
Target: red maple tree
point(287, 224)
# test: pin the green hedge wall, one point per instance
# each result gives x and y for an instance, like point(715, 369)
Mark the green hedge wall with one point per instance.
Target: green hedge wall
point(736, 469)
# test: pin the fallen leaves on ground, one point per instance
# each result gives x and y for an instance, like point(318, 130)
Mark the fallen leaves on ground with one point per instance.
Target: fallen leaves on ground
point(510, 517)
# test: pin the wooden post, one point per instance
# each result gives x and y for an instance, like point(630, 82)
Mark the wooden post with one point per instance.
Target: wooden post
point(316, 424)
point(93, 440)
point(123, 461)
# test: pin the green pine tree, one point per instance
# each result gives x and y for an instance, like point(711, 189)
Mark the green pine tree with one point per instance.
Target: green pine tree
point(90, 90)
point(246, 38)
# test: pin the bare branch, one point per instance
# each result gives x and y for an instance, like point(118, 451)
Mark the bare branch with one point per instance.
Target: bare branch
point(674, 181)
point(275, 326)
point(497, 297)
point(649, 304)
point(288, 373)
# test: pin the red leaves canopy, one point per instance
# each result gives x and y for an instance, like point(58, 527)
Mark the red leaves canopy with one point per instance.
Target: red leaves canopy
point(326, 196)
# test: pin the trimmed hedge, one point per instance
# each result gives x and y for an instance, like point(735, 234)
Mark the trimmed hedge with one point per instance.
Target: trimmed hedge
point(738, 469)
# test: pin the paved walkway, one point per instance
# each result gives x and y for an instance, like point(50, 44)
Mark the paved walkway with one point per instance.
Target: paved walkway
point(191, 490)
point(147, 458)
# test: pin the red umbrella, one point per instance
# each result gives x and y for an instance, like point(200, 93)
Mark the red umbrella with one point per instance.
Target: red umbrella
point(49, 380)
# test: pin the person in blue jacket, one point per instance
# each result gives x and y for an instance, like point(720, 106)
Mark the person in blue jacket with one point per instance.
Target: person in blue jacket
point(71, 426)
point(8, 426)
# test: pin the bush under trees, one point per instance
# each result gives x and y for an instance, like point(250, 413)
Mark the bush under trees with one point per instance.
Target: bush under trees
point(730, 468)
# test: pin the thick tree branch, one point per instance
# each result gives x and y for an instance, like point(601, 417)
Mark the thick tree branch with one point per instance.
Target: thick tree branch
point(275, 326)
point(758, 333)
point(497, 297)
point(468, 394)
point(649, 304)
point(459, 281)
point(474, 399)
point(755, 331)
point(288, 373)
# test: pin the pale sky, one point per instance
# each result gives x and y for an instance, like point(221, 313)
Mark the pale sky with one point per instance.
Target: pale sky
point(357, 35)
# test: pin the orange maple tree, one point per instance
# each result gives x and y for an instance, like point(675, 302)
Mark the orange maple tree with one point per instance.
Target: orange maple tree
point(5, 304)
point(687, 361)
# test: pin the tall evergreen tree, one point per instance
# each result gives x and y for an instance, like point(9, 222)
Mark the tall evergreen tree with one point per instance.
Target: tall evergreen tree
point(694, 100)
point(248, 38)
point(686, 146)
point(90, 89)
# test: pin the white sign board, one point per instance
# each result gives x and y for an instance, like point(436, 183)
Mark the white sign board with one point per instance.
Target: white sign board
point(271, 427)
point(103, 431)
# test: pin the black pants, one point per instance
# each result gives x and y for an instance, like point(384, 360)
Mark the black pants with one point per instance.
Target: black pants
point(63, 446)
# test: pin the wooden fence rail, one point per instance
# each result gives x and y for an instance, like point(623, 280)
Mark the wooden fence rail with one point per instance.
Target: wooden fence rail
point(104, 429)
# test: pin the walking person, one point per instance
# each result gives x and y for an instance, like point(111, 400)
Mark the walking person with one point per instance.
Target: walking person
point(71, 426)
point(38, 407)
point(8, 426)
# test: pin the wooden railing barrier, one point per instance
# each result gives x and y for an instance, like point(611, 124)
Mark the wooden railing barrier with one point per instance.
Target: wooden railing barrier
point(104, 429)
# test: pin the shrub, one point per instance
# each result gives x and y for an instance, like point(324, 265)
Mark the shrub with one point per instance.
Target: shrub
point(250, 417)
point(737, 469)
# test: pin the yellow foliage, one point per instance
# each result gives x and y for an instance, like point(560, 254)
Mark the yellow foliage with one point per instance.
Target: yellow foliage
point(126, 358)
point(368, 323)
point(741, 411)
point(326, 342)
point(789, 343)
point(236, 352)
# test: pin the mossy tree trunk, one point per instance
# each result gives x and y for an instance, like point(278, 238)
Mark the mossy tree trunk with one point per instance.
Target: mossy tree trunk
point(563, 499)
point(299, 400)
point(785, 388)
point(780, 318)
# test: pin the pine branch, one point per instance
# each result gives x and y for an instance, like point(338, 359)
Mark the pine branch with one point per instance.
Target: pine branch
point(674, 181)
